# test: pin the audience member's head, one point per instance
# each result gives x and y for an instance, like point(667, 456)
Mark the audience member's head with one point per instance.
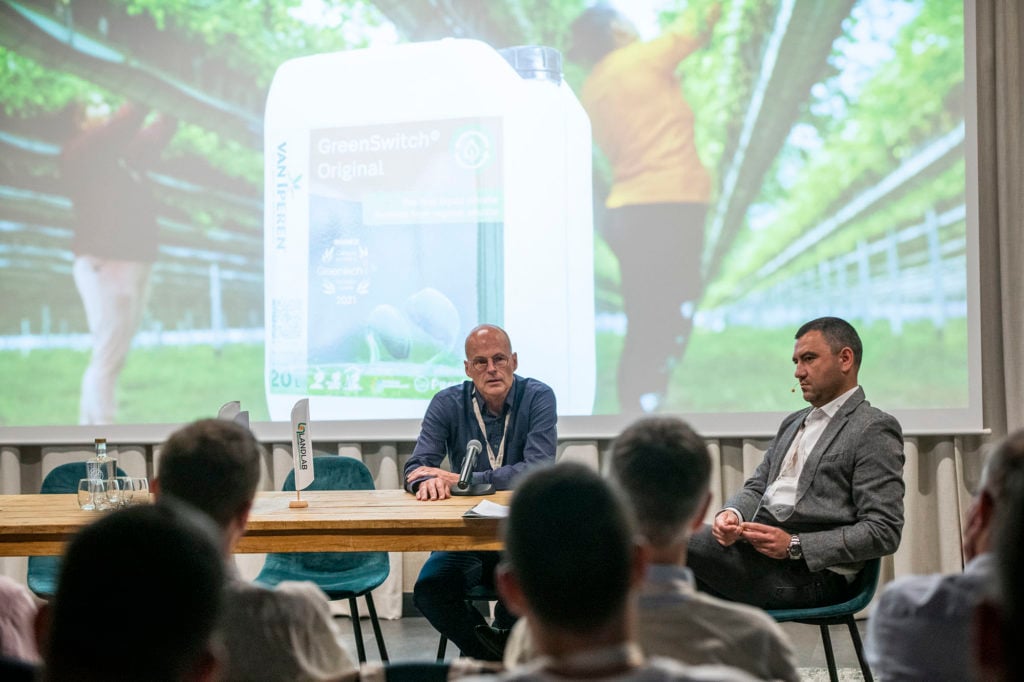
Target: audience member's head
point(999, 619)
point(138, 596)
point(571, 558)
point(664, 468)
point(1004, 464)
point(213, 465)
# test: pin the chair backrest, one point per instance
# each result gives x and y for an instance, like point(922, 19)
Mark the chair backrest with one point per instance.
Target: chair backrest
point(862, 589)
point(335, 472)
point(864, 585)
point(64, 478)
point(331, 571)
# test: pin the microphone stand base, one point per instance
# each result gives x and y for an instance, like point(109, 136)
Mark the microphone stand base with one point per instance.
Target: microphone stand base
point(475, 490)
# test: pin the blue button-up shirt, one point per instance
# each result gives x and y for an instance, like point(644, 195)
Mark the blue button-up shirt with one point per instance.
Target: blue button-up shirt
point(450, 424)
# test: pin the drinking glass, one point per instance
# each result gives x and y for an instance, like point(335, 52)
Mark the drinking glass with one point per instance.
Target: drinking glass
point(125, 489)
point(92, 494)
point(140, 489)
point(116, 493)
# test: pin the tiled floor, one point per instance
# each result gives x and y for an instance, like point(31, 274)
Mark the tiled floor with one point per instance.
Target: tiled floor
point(413, 638)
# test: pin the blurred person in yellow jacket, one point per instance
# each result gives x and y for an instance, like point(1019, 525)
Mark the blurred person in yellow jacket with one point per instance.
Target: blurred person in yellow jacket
point(660, 189)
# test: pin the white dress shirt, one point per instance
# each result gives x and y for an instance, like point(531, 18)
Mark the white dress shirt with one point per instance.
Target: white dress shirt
point(281, 633)
point(780, 497)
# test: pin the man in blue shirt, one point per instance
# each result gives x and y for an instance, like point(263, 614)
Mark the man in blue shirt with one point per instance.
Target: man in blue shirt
point(514, 418)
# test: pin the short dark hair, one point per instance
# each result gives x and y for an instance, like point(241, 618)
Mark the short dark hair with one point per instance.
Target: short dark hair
point(591, 34)
point(139, 595)
point(838, 334)
point(569, 539)
point(214, 465)
point(665, 469)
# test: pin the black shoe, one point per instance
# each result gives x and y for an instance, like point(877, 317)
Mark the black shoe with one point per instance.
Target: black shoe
point(493, 640)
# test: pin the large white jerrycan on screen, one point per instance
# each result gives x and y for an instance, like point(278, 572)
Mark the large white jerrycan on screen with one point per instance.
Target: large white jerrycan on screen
point(413, 192)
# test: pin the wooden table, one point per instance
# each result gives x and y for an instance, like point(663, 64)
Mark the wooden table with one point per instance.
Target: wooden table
point(342, 521)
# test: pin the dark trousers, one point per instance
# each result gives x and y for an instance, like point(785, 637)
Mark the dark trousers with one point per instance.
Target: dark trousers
point(658, 247)
point(741, 573)
point(440, 595)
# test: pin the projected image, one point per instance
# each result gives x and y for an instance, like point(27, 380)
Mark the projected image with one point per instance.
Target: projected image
point(755, 164)
point(400, 233)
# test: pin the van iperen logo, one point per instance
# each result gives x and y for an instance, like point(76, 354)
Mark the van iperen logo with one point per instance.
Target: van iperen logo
point(300, 439)
point(284, 189)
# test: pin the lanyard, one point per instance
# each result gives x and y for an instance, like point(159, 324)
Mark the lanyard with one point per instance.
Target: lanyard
point(495, 460)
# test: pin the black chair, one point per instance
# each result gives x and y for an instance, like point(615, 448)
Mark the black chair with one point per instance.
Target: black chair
point(863, 588)
point(474, 596)
point(43, 570)
point(341, 575)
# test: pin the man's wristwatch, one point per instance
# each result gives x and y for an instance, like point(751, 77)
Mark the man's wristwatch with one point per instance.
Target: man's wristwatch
point(795, 550)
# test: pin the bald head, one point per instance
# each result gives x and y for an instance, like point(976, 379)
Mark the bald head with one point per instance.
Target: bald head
point(491, 364)
point(490, 333)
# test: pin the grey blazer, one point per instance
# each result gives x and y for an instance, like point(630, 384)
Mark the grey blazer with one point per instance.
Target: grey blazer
point(849, 499)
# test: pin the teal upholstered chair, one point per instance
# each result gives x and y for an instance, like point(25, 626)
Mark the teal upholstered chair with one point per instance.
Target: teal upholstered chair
point(43, 570)
point(341, 575)
point(863, 589)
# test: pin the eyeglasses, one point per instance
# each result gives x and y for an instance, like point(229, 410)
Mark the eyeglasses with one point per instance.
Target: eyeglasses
point(481, 364)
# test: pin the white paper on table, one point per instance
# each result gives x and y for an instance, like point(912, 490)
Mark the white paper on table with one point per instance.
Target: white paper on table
point(487, 510)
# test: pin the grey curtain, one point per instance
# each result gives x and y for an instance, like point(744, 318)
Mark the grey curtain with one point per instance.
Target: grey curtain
point(999, 33)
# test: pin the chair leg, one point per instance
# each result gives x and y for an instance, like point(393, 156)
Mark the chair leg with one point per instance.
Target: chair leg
point(357, 630)
point(376, 628)
point(858, 646)
point(442, 646)
point(830, 657)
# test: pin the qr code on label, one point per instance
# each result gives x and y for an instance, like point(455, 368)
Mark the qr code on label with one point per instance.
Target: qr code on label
point(287, 318)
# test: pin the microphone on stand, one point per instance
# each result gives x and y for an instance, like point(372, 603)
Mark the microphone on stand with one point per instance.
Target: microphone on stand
point(473, 448)
point(464, 487)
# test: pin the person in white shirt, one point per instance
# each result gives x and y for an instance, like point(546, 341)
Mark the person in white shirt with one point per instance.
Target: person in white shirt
point(572, 567)
point(920, 626)
point(827, 496)
point(664, 468)
point(285, 633)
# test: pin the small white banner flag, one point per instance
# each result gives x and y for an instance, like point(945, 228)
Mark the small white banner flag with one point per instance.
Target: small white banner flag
point(302, 447)
point(229, 410)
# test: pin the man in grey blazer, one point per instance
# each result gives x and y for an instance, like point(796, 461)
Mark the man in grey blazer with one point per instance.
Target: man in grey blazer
point(827, 496)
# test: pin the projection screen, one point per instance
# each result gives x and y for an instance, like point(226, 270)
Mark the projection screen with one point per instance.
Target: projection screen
point(794, 159)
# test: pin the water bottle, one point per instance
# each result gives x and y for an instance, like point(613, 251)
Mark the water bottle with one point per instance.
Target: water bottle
point(101, 467)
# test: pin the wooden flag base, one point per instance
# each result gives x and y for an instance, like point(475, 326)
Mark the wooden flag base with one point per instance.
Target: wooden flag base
point(298, 504)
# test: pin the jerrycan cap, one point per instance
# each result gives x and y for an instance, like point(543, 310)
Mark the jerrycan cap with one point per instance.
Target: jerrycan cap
point(535, 61)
